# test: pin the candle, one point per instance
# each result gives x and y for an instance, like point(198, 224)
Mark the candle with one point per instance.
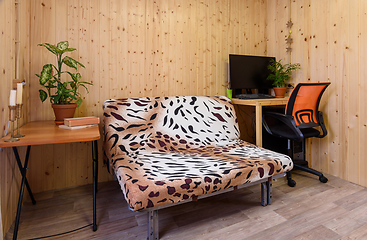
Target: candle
point(13, 94)
point(19, 93)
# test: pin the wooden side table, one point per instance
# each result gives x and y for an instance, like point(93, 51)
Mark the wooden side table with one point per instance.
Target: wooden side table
point(46, 132)
point(258, 104)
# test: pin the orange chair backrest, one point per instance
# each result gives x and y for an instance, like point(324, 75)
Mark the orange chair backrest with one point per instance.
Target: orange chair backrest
point(303, 103)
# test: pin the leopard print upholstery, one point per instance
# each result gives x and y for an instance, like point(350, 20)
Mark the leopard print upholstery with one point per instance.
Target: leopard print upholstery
point(168, 149)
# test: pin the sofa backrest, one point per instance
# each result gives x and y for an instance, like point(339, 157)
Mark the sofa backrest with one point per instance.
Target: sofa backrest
point(167, 123)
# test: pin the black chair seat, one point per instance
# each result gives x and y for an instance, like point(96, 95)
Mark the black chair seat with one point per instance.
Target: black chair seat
point(310, 132)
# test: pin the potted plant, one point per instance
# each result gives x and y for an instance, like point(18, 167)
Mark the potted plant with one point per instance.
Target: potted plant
point(63, 94)
point(280, 74)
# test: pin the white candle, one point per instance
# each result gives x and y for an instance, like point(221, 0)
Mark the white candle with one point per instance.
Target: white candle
point(13, 94)
point(19, 93)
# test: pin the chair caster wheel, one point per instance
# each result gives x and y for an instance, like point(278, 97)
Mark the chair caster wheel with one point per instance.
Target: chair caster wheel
point(323, 179)
point(291, 183)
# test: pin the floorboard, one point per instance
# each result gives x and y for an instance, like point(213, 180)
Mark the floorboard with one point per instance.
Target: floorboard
point(311, 210)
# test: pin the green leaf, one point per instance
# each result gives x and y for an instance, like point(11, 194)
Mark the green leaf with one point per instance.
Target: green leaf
point(72, 75)
point(46, 74)
point(80, 64)
point(56, 97)
point(70, 62)
point(51, 48)
point(84, 87)
point(86, 83)
point(70, 49)
point(78, 102)
point(78, 77)
point(43, 95)
point(71, 96)
point(62, 46)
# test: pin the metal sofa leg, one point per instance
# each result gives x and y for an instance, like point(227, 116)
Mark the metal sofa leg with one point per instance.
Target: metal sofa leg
point(267, 192)
point(269, 185)
point(264, 194)
point(153, 228)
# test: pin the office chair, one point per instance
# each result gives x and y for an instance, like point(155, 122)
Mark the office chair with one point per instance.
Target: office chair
point(299, 122)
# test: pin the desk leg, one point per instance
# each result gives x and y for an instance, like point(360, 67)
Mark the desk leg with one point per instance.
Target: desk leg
point(259, 125)
point(95, 181)
point(23, 171)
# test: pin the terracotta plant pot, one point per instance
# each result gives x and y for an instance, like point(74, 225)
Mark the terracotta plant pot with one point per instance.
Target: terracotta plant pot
point(279, 92)
point(62, 111)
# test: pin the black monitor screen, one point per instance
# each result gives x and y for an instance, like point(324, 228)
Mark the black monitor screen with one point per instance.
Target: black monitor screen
point(249, 72)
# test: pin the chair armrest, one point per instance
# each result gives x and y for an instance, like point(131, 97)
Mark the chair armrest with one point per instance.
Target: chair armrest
point(322, 125)
point(280, 125)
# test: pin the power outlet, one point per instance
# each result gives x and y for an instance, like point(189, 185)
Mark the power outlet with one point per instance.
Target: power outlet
point(290, 85)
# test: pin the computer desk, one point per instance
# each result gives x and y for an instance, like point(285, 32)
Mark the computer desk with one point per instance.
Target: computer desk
point(258, 104)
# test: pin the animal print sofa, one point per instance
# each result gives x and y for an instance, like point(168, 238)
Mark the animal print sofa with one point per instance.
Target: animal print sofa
point(166, 150)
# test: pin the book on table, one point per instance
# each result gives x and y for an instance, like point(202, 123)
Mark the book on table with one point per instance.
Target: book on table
point(76, 127)
point(80, 121)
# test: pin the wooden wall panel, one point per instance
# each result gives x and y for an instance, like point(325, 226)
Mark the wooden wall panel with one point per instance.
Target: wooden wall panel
point(329, 41)
point(173, 47)
point(7, 180)
point(363, 97)
point(130, 49)
point(135, 49)
point(14, 63)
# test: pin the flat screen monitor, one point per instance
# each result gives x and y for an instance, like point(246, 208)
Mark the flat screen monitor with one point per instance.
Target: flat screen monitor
point(249, 72)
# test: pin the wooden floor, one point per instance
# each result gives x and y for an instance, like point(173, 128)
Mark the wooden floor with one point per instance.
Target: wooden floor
point(311, 210)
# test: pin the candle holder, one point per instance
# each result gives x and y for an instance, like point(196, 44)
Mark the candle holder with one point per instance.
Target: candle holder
point(12, 117)
point(18, 117)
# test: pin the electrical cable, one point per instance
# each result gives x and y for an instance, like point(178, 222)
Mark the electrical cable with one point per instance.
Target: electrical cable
point(6, 132)
point(60, 234)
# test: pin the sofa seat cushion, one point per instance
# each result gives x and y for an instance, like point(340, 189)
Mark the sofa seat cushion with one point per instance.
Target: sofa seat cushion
point(154, 178)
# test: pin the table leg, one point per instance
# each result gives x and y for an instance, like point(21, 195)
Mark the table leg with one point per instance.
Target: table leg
point(23, 171)
point(259, 125)
point(95, 181)
point(15, 150)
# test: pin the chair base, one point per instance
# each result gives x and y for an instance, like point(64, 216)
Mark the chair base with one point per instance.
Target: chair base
point(303, 165)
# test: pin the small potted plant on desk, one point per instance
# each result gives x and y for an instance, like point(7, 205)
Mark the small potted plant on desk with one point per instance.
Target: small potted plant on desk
point(280, 74)
point(64, 95)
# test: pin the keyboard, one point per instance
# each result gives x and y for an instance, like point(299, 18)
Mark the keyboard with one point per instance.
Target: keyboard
point(254, 96)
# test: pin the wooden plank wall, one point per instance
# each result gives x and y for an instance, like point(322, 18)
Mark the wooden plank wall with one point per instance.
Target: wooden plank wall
point(10, 63)
point(171, 47)
point(134, 49)
point(130, 49)
point(330, 43)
